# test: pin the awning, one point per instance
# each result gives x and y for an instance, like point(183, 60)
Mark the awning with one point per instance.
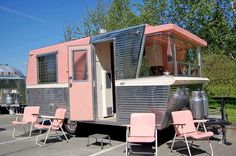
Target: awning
point(176, 30)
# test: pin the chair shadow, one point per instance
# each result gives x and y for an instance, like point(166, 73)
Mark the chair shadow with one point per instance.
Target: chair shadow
point(2, 129)
point(180, 147)
point(98, 144)
point(52, 139)
point(142, 149)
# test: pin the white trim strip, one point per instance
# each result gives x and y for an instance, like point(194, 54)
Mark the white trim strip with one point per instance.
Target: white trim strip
point(107, 150)
point(57, 85)
point(162, 80)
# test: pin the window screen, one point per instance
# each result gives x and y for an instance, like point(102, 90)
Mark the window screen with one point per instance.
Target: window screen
point(80, 71)
point(47, 68)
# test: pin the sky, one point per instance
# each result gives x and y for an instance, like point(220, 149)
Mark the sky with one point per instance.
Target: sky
point(31, 24)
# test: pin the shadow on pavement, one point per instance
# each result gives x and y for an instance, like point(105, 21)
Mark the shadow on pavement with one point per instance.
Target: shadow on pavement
point(2, 129)
point(118, 132)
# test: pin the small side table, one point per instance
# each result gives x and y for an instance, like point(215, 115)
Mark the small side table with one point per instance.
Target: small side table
point(99, 138)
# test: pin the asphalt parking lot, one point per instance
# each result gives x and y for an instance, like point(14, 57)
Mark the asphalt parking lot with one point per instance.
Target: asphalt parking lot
point(77, 145)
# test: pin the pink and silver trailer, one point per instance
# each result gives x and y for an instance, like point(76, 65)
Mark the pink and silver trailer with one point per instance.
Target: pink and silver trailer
point(105, 78)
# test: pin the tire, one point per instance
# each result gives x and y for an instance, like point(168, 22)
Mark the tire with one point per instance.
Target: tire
point(70, 126)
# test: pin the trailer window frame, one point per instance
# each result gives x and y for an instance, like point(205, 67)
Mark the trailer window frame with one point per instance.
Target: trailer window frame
point(86, 65)
point(56, 68)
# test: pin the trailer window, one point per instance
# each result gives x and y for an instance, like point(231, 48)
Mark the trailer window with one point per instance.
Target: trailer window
point(80, 71)
point(47, 68)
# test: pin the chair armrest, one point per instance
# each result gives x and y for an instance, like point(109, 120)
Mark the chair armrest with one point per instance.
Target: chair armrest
point(19, 114)
point(179, 124)
point(50, 117)
point(200, 121)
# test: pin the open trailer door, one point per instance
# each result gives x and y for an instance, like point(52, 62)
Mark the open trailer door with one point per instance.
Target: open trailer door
point(80, 83)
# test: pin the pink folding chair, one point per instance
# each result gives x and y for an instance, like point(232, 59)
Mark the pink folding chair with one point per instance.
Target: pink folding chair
point(55, 125)
point(30, 116)
point(185, 128)
point(142, 129)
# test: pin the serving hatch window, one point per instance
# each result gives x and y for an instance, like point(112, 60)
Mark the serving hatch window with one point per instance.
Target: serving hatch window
point(167, 54)
point(47, 68)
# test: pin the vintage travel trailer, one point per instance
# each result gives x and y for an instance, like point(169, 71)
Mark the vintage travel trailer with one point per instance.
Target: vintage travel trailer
point(12, 87)
point(105, 78)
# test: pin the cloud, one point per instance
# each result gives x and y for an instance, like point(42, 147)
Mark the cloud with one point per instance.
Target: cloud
point(13, 11)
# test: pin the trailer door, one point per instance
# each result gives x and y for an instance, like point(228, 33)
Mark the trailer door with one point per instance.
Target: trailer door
point(80, 83)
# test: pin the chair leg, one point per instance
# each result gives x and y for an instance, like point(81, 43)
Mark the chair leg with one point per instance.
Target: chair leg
point(37, 137)
point(58, 136)
point(173, 142)
point(126, 149)
point(192, 143)
point(210, 147)
point(156, 146)
point(156, 150)
point(31, 128)
point(46, 136)
point(186, 141)
point(36, 141)
point(13, 132)
point(64, 133)
point(24, 129)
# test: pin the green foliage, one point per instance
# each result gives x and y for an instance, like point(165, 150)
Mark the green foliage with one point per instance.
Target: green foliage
point(95, 20)
point(221, 70)
point(144, 69)
point(120, 15)
point(69, 33)
point(214, 21)
point(151, 11)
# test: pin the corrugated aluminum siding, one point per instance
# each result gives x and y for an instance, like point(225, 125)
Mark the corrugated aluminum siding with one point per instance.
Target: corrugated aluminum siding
point(48, 98)
point(131, 99)
point(161, 100)
point(127, 47)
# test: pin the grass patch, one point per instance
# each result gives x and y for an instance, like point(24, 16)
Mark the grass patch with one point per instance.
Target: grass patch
point(230, 109)
point(231, 112)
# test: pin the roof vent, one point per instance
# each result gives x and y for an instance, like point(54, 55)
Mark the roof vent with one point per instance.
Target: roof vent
point(102, 31)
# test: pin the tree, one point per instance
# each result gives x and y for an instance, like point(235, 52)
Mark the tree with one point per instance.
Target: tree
point(221, 70)
point(95, 20)
point(152, 12)
point(212, 20)
point(69, 33)
point(120, 15)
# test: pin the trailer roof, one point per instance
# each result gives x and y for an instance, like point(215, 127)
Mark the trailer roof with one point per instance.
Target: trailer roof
point(80, 41)
point(9, 72)
point(176, 30)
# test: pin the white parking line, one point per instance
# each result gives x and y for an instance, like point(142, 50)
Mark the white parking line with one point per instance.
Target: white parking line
point(12, 141)
point(4, 126)
point(107, 150)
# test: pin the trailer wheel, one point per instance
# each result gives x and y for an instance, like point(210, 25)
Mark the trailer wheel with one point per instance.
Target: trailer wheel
point(70, 126)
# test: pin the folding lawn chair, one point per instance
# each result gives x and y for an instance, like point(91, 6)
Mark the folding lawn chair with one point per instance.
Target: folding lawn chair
point(142, 129)
point(55, 125)
point(185, 128)
point(30, 116)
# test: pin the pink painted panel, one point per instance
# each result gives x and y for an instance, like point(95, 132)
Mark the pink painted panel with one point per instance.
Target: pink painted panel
point(31, 74)
point(81, 102)
point(177, 31)
point(62, 63)
point(81, 98)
